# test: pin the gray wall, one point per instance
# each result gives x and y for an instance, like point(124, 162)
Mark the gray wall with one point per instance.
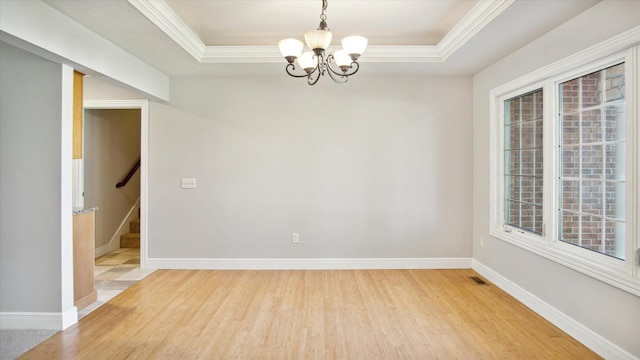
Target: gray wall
point(30, 183)
point(610, 312)
point(380, 167)
point(112, 146)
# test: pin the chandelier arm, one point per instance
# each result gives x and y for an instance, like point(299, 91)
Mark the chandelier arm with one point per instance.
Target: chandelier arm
point(319, 68)
point(293, 67)
point(322, 63)
point(337, 78)
point(344, 74)
point(311, 80)
point(357, 65)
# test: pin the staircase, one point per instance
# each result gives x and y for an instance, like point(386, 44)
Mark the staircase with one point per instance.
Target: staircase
point(132, 238)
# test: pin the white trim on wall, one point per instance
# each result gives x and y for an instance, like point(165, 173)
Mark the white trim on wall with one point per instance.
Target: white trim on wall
point(309, 264)
point(143, 105)
point(583, 334)
point(38, 320)
point(68, 310)
point(104, 249)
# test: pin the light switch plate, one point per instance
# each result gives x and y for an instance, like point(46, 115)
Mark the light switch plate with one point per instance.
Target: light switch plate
point(188, 183)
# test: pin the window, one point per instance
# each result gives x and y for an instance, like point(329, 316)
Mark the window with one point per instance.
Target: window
point(565, 156)
point(592, 158)
point(523, 162)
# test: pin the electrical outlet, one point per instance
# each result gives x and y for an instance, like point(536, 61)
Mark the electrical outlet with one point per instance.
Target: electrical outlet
point(481, 242)
point(296, 238)
point(188, 183)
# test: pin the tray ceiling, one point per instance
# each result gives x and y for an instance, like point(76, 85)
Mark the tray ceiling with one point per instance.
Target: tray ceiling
point(220, 37)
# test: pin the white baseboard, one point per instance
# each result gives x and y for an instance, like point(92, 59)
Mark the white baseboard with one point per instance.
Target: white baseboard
point(586, 336)
point(39, 320)
point(308, 264)
point(102, 250)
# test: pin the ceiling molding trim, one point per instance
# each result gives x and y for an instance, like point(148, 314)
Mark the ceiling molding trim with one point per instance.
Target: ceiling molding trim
point(270, 54)
point(161, 14)
point(402, 53)
point(471, 24)
point(241, 54)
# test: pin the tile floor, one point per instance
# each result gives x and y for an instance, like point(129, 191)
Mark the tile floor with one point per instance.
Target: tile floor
point(115, 272)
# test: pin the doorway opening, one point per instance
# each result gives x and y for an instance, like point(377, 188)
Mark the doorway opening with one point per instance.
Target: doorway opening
point(115, 181)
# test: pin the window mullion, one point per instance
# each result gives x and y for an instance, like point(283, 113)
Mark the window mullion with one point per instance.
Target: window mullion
point(535, 160)
point(603, 186)
point(580, 147)
point(520, 162)
point(551, 153)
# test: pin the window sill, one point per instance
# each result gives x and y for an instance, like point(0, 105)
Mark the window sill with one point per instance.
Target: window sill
point(610, 271)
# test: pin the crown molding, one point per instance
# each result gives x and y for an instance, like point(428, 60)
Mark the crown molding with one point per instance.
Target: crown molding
point(402, 53)
point(161, 15)
point(271, 54)
point(483, 13)
point(241, 54)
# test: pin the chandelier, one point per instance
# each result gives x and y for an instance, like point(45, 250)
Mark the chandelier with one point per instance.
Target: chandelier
point(316, 63)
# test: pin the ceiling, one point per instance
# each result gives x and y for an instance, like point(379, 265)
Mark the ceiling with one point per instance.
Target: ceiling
point(239, 37)
point(267, 22)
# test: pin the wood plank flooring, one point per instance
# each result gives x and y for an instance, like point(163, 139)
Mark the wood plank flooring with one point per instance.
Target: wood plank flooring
point(341, 314)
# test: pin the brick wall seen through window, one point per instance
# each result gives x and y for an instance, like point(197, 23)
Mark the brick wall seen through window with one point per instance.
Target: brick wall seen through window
point(523, 161)
point(592, 161)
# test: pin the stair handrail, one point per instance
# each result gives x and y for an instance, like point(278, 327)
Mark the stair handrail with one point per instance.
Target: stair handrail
point(129, 175)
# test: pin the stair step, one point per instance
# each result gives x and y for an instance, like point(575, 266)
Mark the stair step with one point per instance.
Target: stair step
point(130, 240)
point(134, 226)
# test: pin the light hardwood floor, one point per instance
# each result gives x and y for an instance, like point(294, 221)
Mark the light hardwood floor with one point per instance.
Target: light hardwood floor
point(348, 314)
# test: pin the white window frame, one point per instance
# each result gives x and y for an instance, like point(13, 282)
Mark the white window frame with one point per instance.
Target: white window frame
point(623, 274)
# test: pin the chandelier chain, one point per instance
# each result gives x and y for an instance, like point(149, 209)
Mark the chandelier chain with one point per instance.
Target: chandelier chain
point(323, 15)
